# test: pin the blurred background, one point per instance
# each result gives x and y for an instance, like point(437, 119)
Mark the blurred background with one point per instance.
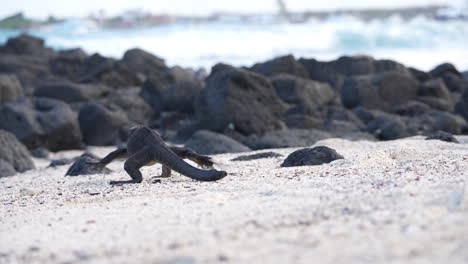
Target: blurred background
point(418, 33)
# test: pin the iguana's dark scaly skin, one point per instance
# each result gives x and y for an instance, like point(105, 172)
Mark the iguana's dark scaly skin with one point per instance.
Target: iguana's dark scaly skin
point(145, 148)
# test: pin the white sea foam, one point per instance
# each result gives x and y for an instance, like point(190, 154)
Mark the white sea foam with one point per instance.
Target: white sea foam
point(420, 43)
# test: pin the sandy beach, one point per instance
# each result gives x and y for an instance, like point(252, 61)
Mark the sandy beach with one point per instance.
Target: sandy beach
point(401, 201)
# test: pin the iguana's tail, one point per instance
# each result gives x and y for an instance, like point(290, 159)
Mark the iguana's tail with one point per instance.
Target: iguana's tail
point(167, 157)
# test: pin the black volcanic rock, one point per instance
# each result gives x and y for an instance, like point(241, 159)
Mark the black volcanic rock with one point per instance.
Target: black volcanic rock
point(152, 92)
point(435, 103)
point(30, 70)
point(40, 153)
point(72, 92)
point(387, 128)
point(14, 157)
point(362, 65)
point(42, 122)
point(444, 68)
point(6, 169)
point(442, 135)
point(344, 123)
point(422, 76)
point(380, 91)
point(455, 82)
point(99, 69)
point(347, 130)
point(241, 99)
point(103, 124)
point(60, 162)
point(452, 78)
point(10, 88)
point(335, 72)
point(285, 64)
point(132, 104)
point(68, 63)
point(411, 108)
point(25, 44)
point(340, 113)
point(299, 118)
point(82, 166)
point(433, 121)
point(106, 122)
point(261, 155)
point(208, 143)
point(323, 72)
point(143, 62)
point(410, 122)
point(184, 87)
point(173, 90)
point(285, 138)
point(312, 98)
point(434, 88)
point(435, 94)
point(310, 94)
point(366, 115)
point(171, 120)
point(302, 121)
point(311, 156)
point(186, 129)
point(461, 107)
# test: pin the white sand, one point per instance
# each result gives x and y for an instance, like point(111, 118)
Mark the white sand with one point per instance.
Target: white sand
point(401, 201)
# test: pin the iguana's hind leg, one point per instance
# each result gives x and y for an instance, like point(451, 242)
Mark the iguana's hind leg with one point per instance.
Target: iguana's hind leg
point(134, 163)
point(165, 173)
point(187, 153)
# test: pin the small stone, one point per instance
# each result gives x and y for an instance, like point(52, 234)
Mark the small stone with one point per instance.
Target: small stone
point(34, 248)
point(443, 136)
point(223, 258)
point(84, 166)
point(311, 156)
point(181, 260)
point(14, 157)
point(82, 255)
point(60, 162)
point(41, 153)
point(262, 155)
point(27, 192)
point(174, 246)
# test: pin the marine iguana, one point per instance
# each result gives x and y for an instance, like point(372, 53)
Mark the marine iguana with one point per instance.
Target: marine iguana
point(145, 148)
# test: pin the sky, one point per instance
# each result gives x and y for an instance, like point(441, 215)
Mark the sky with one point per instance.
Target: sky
point(61, 8)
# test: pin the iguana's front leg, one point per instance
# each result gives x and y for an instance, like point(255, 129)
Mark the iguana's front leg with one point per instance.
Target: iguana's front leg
point(116, 154)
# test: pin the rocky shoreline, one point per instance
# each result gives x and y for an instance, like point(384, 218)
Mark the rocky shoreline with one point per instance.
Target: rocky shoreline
point(60, 100)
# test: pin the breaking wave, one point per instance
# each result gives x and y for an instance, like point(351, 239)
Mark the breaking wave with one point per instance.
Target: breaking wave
point(420, 42)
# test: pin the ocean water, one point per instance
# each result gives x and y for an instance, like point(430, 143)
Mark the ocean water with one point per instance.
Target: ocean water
point(420, 42)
